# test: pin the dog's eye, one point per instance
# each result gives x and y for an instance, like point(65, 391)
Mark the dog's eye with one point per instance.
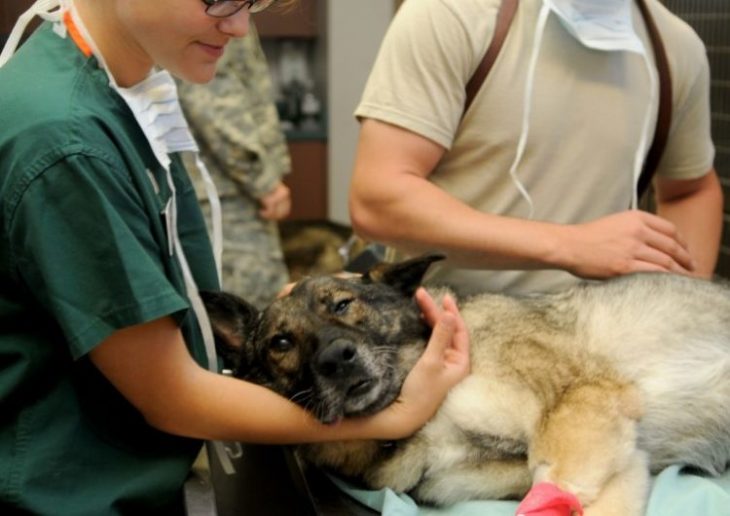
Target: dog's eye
point(280, 343)
point(342, 306)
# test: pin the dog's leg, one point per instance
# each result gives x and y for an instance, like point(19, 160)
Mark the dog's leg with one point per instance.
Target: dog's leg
point(626, 492)
point(494, 479)
point(587, 439)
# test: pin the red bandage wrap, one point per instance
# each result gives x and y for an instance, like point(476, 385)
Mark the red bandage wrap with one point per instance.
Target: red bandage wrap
point(545, 499)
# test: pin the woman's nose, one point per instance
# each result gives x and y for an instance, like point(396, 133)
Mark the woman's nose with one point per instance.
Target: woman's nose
point(235, 25)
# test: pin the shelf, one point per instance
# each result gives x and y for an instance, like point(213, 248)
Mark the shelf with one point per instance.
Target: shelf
point(298, 21)
point(294, 135)
point(293, 39)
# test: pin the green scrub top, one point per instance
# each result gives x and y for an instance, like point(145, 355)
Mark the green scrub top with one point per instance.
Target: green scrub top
point(83, 252)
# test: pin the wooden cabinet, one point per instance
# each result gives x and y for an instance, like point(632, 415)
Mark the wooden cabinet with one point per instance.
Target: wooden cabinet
point(300, 20)
point(301, 24)
point(308, 179)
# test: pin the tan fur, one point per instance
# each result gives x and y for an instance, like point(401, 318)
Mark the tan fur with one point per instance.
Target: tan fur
point(590, 389)
point(544, 375)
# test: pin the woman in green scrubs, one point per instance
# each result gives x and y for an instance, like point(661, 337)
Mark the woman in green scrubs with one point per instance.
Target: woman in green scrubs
point(104, 392)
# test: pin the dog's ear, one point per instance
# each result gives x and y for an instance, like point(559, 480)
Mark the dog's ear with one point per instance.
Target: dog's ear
point(405, 276)
point(232, 319)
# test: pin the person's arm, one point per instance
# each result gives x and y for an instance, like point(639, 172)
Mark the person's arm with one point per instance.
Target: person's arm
point(150, 365)
point(392, 201)
point(695, 207)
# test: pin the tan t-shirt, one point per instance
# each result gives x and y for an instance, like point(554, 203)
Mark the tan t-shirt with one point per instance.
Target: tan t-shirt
point(588, 110)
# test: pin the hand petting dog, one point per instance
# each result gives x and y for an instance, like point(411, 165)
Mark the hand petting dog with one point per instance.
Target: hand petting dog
point(444, 363)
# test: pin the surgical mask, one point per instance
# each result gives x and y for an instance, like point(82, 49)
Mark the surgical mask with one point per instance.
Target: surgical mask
point(604, 25)
point(599, 24)
point(155, 106)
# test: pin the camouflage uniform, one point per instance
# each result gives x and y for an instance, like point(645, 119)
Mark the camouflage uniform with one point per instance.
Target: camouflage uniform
point(235, 123)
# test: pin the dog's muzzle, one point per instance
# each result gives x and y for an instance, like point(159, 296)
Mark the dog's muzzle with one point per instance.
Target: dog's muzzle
point(347, 383)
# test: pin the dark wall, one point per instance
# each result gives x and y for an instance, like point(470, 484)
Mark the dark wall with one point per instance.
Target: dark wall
point(9, 12)
point(711, 20)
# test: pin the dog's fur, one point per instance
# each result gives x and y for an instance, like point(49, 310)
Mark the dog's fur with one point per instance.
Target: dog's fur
point(590, 389)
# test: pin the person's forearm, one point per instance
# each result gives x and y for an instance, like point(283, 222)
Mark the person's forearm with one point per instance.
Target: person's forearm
point(699, 219)
point(152, 368)
point(392, 201)
point(197, 403)
point(417, 216)
point(222, 408)
point(613, 245)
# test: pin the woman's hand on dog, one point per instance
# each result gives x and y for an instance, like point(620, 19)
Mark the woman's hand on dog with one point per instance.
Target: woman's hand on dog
point(447, 353)
point(444, 363)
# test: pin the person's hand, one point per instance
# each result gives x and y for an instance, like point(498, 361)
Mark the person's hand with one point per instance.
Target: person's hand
point(630, 241)
point(286, 289)
point(444, 363)
point(276, 205)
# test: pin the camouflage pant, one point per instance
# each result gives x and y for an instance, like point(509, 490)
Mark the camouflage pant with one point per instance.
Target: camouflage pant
point(253, 262)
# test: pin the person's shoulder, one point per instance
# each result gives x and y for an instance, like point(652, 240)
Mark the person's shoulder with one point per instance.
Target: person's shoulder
point(451, 23)
point(48, 85)
point(685, 49)
point(54, 104)
point(467, 11)
point(676, 33)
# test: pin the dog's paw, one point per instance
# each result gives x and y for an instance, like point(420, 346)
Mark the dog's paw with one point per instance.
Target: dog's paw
point(545, 498)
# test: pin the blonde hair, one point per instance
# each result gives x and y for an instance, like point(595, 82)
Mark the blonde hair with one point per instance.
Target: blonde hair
point(284, 5)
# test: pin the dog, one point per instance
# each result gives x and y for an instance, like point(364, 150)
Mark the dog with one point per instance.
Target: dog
point(590, 389)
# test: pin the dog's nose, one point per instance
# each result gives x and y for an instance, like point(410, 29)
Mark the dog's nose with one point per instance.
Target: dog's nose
point(336, 358)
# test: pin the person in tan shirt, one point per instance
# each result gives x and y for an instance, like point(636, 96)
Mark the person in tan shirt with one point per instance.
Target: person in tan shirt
point(529, 189)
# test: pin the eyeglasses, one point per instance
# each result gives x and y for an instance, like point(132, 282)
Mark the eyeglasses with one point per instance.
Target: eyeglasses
point(225, 8)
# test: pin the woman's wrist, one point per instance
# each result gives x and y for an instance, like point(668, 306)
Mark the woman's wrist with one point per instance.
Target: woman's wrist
point(391, 423)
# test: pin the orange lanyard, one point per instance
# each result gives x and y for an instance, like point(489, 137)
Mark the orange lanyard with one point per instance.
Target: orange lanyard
point(76, 36)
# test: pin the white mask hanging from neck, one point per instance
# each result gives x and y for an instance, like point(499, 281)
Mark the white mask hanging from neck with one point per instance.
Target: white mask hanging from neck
point(604, 25)
point(156, 108)
point(599, 24)
point(153, 102)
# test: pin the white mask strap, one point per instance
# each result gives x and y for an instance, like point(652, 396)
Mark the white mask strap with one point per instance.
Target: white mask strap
point(49, 10)
point(201, 314)
point(204, 323)
point(182, 141)
point(643, 147)
point(215, 213)
point(527, 107)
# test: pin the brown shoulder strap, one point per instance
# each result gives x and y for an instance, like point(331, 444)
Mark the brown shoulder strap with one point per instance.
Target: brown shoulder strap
point(504, 21)
point(664, 117)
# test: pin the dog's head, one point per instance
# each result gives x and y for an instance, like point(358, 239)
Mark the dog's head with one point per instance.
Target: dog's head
point(337, 346)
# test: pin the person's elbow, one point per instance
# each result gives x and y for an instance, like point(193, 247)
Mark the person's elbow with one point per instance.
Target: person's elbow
point(167, 422)
point(367, 220)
